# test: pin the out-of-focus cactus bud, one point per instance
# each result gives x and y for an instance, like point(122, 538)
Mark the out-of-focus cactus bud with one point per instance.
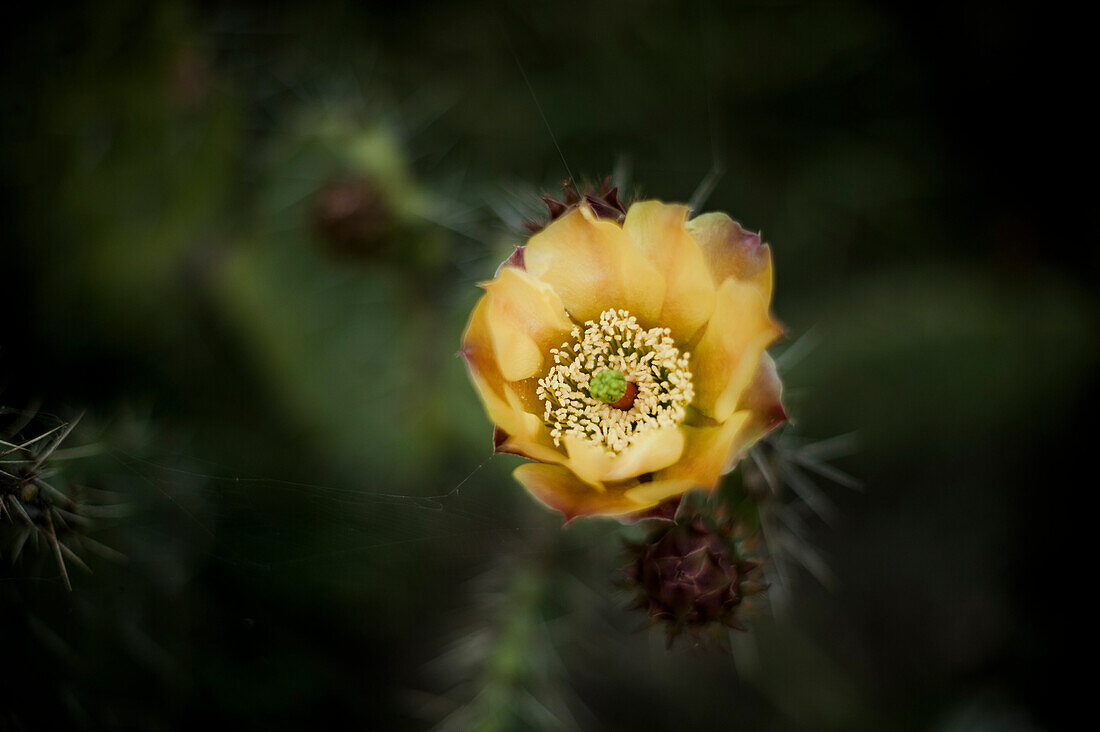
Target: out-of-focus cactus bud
point(340, 215)
point(188, 78)
point(351, 217)
point(691, 576)
point(354, 192)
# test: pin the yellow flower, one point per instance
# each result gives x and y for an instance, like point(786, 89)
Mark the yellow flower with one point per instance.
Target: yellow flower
point(625, 355)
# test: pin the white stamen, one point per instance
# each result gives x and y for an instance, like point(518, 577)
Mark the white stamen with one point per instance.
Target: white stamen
point(648, 358)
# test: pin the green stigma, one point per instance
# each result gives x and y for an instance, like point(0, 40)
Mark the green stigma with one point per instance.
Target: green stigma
point(608, 386)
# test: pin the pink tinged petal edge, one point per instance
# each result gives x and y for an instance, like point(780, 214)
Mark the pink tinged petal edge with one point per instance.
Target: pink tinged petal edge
point(499, 438)
point(515, 260)
point(731, 250)
point(501, 446)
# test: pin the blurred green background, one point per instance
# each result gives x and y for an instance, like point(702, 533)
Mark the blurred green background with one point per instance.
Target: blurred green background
point(245, 239)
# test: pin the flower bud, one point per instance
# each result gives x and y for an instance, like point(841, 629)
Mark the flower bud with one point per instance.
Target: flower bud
point(691, 576)
point(351, 217)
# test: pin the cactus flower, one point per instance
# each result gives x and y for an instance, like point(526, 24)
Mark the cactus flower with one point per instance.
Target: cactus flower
point(623, 351)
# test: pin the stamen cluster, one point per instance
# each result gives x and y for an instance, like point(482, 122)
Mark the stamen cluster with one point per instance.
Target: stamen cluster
point(647, 358)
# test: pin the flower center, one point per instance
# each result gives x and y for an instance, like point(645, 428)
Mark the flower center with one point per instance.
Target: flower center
point(607, 386)
point(614, 382)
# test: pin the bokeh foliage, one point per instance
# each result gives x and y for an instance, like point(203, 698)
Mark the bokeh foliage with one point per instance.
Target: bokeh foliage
point(315, 529)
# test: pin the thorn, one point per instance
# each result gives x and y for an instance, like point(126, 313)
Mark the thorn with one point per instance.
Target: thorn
point(58, 440)
point(602, 209)
point(612, 198)
point(556, 208)
point(19, 543)
point(103, 550)
point(74, 558)
point(13, 501)
point(571, 195)
point(57, 552)
point(16, 448)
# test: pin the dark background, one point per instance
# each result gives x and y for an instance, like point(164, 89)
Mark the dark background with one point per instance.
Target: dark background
point(313, 531)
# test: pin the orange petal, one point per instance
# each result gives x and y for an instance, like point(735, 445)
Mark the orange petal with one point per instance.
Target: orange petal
point(731, 251)
point(726, 356)
point(658, 229)
point(560, 489)
point(526, 319)
point(652, 451)
point(593, 266)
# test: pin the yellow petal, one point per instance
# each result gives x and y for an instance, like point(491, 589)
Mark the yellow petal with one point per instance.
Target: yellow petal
point(731, 251)
point(477, 350)
point(727, 354)
point(593, 266)
point(560, 489)
point(713, 451)
point(707, 452)
point(658, 229)
point(504, 402)
point(652, 451)
point(655, 491)
point(535, 447)
point(525, 319)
